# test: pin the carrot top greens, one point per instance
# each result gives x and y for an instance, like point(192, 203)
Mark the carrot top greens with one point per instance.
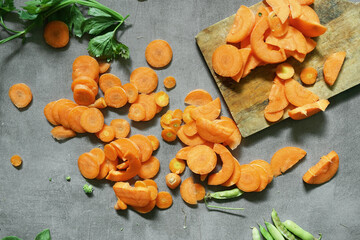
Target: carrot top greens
point(101, 22)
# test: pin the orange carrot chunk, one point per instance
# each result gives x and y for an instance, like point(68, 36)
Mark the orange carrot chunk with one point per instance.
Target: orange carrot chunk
point(281, 8)
point(115, 97)
point(121, 127)
point(285, 71)
point(110, 152)
point(145, 79)
point(198, 97)
point(285, 158)
point(188, 191)
point(120, 205)
point(277, 97)
point(108, 80)
point(99, 155)
point(88, 165)
point(85, 66)
point(154, 142)
point(20, 95)
point(136, 112)
point(273, 116)
point(131, 92)
point(60, 133)
point(131, 171)
point(56, 34)
point(133, 196)
point(308, 75)
point(92, 120)
point(158, 53)
point(324, 170)
point(201, 159)
point(106, 134)
point(169, 82)
point(249, 179)
point(16, 160)
point(332, 67)
point(172, 180)
point(144, 146)
point(164, 200)
point(227, 166)
point(226, 60)
point(177, 166)
point(150, 168)
point(200, 191)
point(243, 24)
point(297, 94)
point(148, 102)
point(235, 138)
point(308, 110)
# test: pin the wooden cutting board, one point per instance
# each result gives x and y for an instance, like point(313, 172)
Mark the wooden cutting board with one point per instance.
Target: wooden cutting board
point(247, 100)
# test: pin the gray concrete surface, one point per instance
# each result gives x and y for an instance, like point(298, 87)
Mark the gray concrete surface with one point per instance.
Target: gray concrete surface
point(30, 203)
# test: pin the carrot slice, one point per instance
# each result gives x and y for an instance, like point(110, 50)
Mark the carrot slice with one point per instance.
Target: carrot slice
point(104, 67)
point(60, 133)
point(88, 165)
point(277, 97)
point(234, 178)
point(227, 166)
point(64, 111)
point(120, 205)
point(308, 23)
point(273, 116)
point(145, 79)
point(154, 142)
point(175, 124)
point(150, 168)
point(262, 12)
point(56, 34)
point(285, 158)
point(243, 24)
point(201, 159)
point(125, 145)
point(130, 172)
point(121, 127)
point(16, 160)
point(48, 113)
point(308, 110)
point(306, 2)
point(190, 141)
point(295, 8)
point(153, 192)
point(148, 102)
point(99, 155)
point(92, 120)
point(131, 92)
point(56, 107)
point(74, 118)
point(168, 134)
point(200, 191)
point(245, 53)
point(162, 99)
point(308, 75)
point(182, 153)
point(169, 82)
point(285, 71)
point(106, 134)
point(164, 200)
point(209, 111)
point(144, 146)
point(110, 152)
point(251, 63)
point(139, 197)
point(188, 191)
point(187, 114)
point(112, 164)
point(20, 95)
point(87, 81)
point(281, 8)
point(172, 180)
point(158, 53)
point(136, 112)
point(263, 177)
point(297, 95)
point(103, 171)
point(123, 165)
point(212, 131)
point(115, 97)
point(293, 40)
point(235, 138)
point(85, 66)
point(198, 97)
point(278, 29)
point(324, 170)
point(99, 103)
point(177, 113)
point(108, 80)
point(140, 184)
point(266, 166)
point(166, 119)
point(226, 60)
point(190, 129)
point(83, 95)
point(332, 67)
point(249, 179)
point(177, 166)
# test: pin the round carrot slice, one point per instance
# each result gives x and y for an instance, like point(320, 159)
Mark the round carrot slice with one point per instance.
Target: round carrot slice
point(104, 67)
point(145, 209)
point(87, 81)
point(99, 155)
point(175, 124)
point(234, 178)
point(104, 170)
point(249, 179)
point(243, 24)
point(200, 191)
point(266, 166)
point(131, 92)
point(263, 177)
point(92, 120)
point(169, 82)
point(56, 34)
point(64, 111)
point(162, 99)
point(168, 134)
point(85, 66)
point(121, 126)
point(308, 75)
point(16, 160)
point(106, 134)
point(177, 166)
point(145, 79)
point(110, 152)
point(285, 71)
point(150, 168)
point(115, 97)
point(83, 95)
point(201, 159)
point(20, 95)
point(198, 97)
point(190, 141)
point(226, 60)
point(154, 142)
point(164, 200)
point(144, 145)
point(273, 116)
point(173, 180)
point(136, 112)
point(148, 101)
point(88, 165)
point(74, 118)
point(297, 95)
point(158, 53)
point(108, 80)
point(188, 191)
point(48, 113)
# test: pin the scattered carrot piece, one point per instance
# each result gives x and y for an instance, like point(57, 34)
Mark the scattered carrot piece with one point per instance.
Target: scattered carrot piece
point(108, 80)
point(88, 165)
point(48, 113)
point(200, 191)
point(144, 145)
point(131, 92)
point(278, 29)
point(83, 95)
point(177, 165)
point(56, 34)
point(85, 66)
point(235, 138)
point(273, 116)
point(169, 82)
point(87, 81)
point(234, 178)
point(150, 182)
point(249, 179)
point(266, 166)
point(145, 79)
point(324, 170)
point(177, 113)
point(188, 191)
point(153, 192)
point(92, 120)
point(297, 95)
point(168, 134)
point(99, 103)
point(190, 129)
point(150, 168)
point(140, 184)
point(198, 97)
point(148, 101)
point(209, 111)
point(120, 205)
point(285, 71)
point(164, 200)
point(16, 160)
point(60, 133)
point(332, 67)
point(99, 155)
point(226, 60)
point(173, 180)
point(308, 110)
point(110, 152)
point(285, 158)
point(20, 95)
point(190, 141)
point(104, 67)
point(175, 124)
point(154, 142)
point(212, 131)
point(187, 115)
point(74, 118)
point(243, 24)
point(135, 197)
point(131, 171)
point(115, 97)
point(308, 75)
point(121, 127)
point(183, 152)
point(227, 166)
point(106, 134)
point(158, 53)
point(245, 53)
point(201, 159)
point(162, 99)
point(136, 112)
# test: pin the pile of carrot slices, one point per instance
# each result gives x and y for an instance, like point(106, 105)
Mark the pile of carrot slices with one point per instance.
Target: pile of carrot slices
point(278, 30)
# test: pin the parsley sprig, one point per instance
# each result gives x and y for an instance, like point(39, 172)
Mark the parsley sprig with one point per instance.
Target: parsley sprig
point(101, 22)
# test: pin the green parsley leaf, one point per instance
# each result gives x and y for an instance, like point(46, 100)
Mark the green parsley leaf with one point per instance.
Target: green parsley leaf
point(24, 15)
point(76, 20)
point(44, 235)
point(97, 13)
point(6, 6)
point(97, 25)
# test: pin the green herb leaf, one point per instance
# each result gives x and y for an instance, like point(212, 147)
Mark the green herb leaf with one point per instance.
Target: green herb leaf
point(97, 25)
point(11, 238)
point(44, 235)
point(76, 20)
point(97, 13)
point(6, 6)
point(27, 16)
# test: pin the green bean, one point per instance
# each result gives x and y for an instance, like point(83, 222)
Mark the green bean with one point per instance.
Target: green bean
point(227, 194)
point(280, 226)
point(297, 230)
point(265, 233)
point(255, 234)
point(274, 231)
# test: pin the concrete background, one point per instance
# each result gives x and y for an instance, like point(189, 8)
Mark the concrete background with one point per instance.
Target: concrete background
point(29, 202)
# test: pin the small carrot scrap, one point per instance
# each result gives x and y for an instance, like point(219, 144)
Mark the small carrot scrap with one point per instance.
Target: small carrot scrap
point(190, 141)
point(332, 67)
point(123, 165)
point(131, 92)
point(108, 80)
point(150, 168)
point(200, 191)
point(168, 134)
point(20, 95)
point(308, 75)
point(136, 112)
point(169, 82)
point(144, 145)
point(285, 158)
point(226, 60)
point(106, 134)
point(92, 120)
point(162, 99)
point(308, 110)
point(115, 97)
point(99, 103)
point(16, 160)
point(172, 180)
point(177, 166)
point(145, 79)
point(88, 165)
point(297, 95)
point(83, 95)
point(85, 66)
point(209, 111)
point(164, 200)
point(60, 133)
point(56, 34)
point(158, 53)
point(121, 127)
point(74, 118)
point(227, 166)
point(201, 159)
point(285, 71)
point(249, 179)
point(183, 152)
point(198, 97)
point(120, 205)
point(154, 142)
point(212, 131)
point(324, 170)
point(104, 67)
point(188, 191)
point(243, 24)
point(190, 128)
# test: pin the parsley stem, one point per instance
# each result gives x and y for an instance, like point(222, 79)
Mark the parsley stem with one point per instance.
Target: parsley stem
point(5, 27)
point(19, 34)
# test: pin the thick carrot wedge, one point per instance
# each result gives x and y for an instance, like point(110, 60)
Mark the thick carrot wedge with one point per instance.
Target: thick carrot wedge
point(285, 158)
point(201, 159)
point(144, 146)
point(212, 131)
point(198, 97)
point(249, 179)
point(324, 170)
point(88, 165)
point(243, 24)
point(297, 95)
point(332, 67)
point(188, 191)
point(209, 111)
point(190, 141)
point(227, 166)
point(139, 197)
point(308, 110)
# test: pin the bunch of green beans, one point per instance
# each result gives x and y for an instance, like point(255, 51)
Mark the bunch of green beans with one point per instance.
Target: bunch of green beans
point(282, 230)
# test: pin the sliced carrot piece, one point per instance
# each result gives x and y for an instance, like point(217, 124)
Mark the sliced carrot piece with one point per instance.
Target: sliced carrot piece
point(172, 180)
point(148, 101)
point(266, 166)
point(92, 120)
point(177, 166)
point(164, 200)
point(154, 142)
point(103, 171)
point(56, 107)
point(56, 34)
point(273, 116)
point(64, 111)
point(60, 133)
point(190, 129)
point(182, 153)
point(249, 179)
point(48, 113)
point(162, 99)
point(188, 191)
point(310, 44)
point(187, 114)
point(145, 79)
point(308, 110)
point(104, 67)
point(332, 67)
point(175, 124)
point(169, 82)
point(112, 164)
point(115, 97)
point(108, 80)
point(16, 160)
point(235, 138)
point(306, 2)
point(130, 172)
point(124, 146)
point(200, 191)
point(136, 112)
point(139, 197)
point(83, 95)
point(87, 81)
point(285, 158)
point(99, 155)
point(150, 168)
point(148, 208)
point(131, 92)
point(209, 111)
point(308, 75)
point(212, 131)
point(297, 95)
point(295, 8)
point(324, 170)
point(293, 40)
point(234, 178)
point(243, 24)
point(262, 12)
point(198, 97)
point(168, 134)
point(88, 165)
point(20, 95)
point(106, 134)
point(285, 71)
point(190, 141)
point(226, 60)
point(123, 165)
point(140, 184)
point(153, 192)
point(120, 205)
point(110, 152)
point(281, 8)
point(85, 66)
point(99, 103)
point(166, 119)
point(144, 145)
point(263, 177)
point(158, 109)
point(150, 182)
point(201, 159)
point(278, 29)
point(251, 63)
point(158, 53)
point(74, 118)
point(227, 166)
point(121, 127)
point(245, 53)
point(277, 97)
point(177, 114)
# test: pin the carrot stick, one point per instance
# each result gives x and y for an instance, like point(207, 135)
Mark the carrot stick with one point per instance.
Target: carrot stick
point(164, 200)
point(162, 99)
point(121, 127)
point(85, 66)
point(87, 81)
point(249, 179)
point(83, 95)
point(212, 131)
point(201, 159)
point(332, 67)
point(243, 24)
point(227, 166)
point(16, 160)
point(88, 165)
point(297, 95)
point(144, 145)
point(308, 75)
point(60, 133)
point(131, 92)
point(169, 82)
point(209, 111)
point(188, 191)
point(56, 34)
point(20, 95)
point(136, 112)
point(48, 113)
point(154, 142)
point(285, 158)
point(145, 79)
point(104, 67)
point(158, 53)
point(168, 134)
point(99, 155)
point(106, 134)
point(92, 120)
point(285, 71)
point(226, 60)
point(308, 110)
point(190, 141)
point(74, 119)
point(99, 103)
point(108, 80)
point(110, 152)
point(324, 170)
point(198, 97)
point(115, 97)
point(182, 153)
point(177, 166)
point(172, 180)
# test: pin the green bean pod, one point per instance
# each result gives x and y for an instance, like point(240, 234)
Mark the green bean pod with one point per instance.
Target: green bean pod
point(297, 230)
point(265, 233)
point(255, 234)
point(227, 194)
point(274, 231)
point(280, 226)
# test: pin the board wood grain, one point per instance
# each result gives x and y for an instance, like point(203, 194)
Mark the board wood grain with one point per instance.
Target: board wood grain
point(247, 100)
